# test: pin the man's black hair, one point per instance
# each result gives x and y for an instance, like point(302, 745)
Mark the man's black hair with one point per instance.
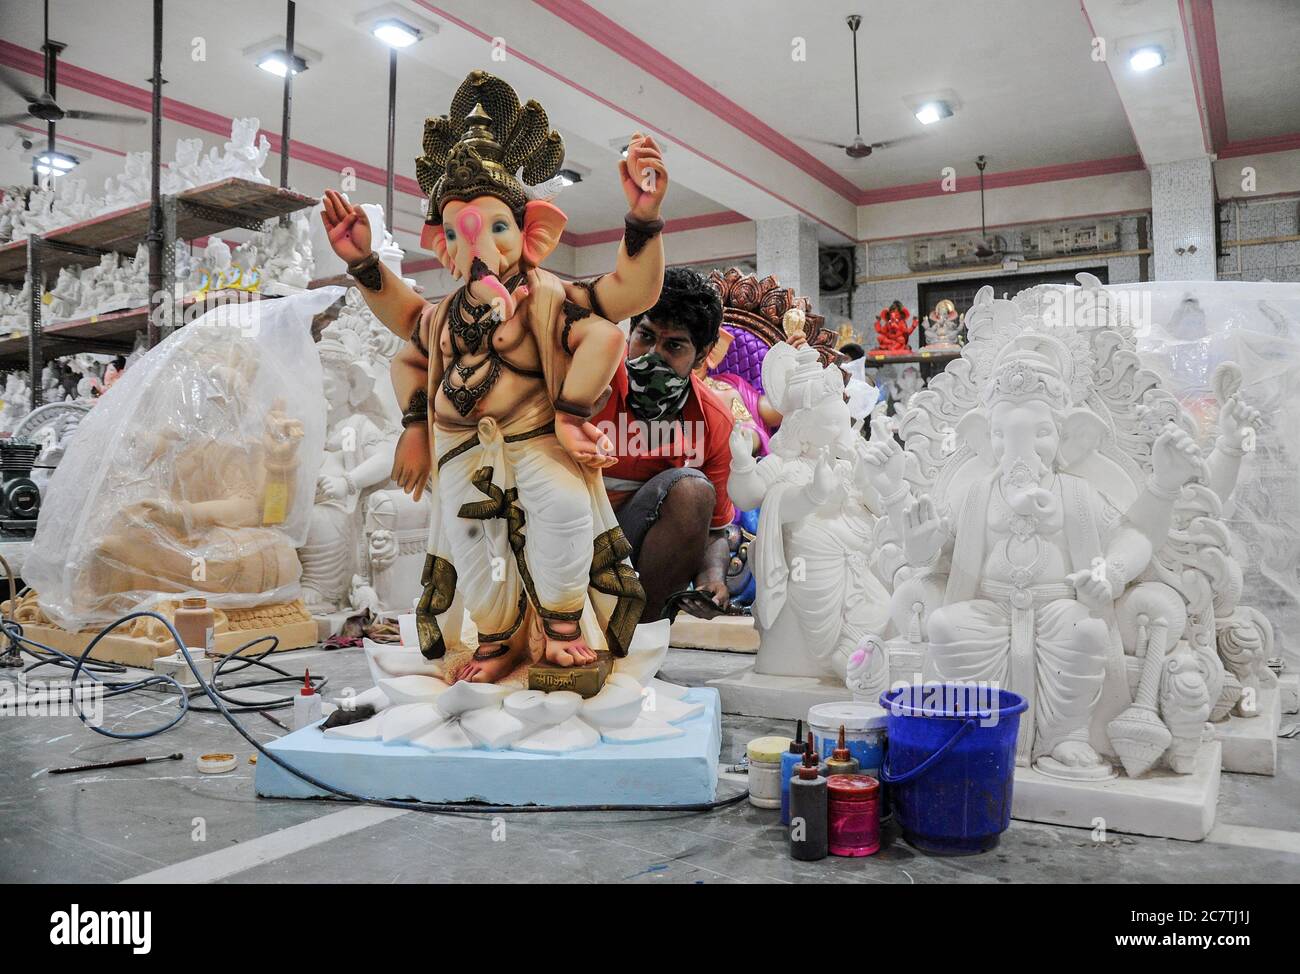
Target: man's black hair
point(853, 351)
point(687, 301)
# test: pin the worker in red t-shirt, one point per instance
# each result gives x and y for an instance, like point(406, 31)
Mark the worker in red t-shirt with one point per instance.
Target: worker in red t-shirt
point(670, 433)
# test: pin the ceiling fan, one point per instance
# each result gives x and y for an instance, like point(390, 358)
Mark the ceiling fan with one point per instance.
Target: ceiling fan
point(988, 247)
point(43, 107)
point(860, 148)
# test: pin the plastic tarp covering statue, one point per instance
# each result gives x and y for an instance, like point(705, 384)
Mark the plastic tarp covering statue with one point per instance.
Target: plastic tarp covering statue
point(1191, 329)
point(194, 474)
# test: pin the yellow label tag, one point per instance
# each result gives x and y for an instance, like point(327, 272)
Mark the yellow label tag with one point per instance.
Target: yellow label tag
point(275, 503)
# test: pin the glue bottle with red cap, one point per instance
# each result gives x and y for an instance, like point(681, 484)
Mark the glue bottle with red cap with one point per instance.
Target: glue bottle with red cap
point(306, 704)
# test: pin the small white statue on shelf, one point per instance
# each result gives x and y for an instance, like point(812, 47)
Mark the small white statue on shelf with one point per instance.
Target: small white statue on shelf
point(245, 152)
point(186, 170)
point(817, 598)
point(65, 297)
point(943, 326)
point(286, 256)
point(130, 186)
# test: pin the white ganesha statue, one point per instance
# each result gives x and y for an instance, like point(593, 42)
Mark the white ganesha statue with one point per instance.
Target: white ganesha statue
point(1054, 528)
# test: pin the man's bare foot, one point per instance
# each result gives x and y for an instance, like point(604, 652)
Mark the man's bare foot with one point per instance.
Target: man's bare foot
point(475, 670)
point(568, 651)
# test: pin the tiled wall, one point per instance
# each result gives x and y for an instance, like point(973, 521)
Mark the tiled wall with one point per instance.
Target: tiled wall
point(1182, 199)
point(890, 257)
point(1258, 219)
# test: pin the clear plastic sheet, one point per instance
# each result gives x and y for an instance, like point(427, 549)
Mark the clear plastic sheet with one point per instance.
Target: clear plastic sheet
point(1186, 330)
point(195, 473)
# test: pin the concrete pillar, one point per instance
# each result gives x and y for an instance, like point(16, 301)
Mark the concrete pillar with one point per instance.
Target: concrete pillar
point(1182, 218)
point(787, 250)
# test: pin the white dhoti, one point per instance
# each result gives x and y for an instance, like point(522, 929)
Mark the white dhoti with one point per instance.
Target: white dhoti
point(517, 523)
point(1050, 651)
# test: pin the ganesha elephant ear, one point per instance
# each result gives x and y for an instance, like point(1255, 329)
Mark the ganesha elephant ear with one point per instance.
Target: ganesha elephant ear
point(434, 238)
point(543, 224)
point(973, 430)
point(1082, 432)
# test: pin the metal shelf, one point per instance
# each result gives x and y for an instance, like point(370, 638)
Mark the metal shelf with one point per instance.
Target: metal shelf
point(200, 212)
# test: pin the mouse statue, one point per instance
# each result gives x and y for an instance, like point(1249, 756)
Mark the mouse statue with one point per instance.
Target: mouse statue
point(499, 380)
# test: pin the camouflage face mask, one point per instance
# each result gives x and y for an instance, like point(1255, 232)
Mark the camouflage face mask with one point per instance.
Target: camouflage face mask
point(655, 390)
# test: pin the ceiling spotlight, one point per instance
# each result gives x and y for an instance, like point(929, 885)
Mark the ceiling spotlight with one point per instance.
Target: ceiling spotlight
point(569, 177)
point(1146, 58)
point(933, 111)
point(277, 63)
point(54, 163)
point(395, 33)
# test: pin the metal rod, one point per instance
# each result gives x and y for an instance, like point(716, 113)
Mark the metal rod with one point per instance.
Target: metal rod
point(35, 364)
point(157, 300)
point(392, 135)
point(286, 113)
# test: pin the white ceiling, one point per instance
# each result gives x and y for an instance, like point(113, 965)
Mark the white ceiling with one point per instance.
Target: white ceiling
point(1008, 61)
point(1027, 92)
point(1259, 57)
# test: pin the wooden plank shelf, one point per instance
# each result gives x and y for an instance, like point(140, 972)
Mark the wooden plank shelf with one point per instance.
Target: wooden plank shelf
point(212, 208)
point(114, 330)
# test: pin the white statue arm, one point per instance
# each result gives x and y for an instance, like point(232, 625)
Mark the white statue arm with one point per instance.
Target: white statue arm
point(1176, 461)
point(746, 485)
point(1238, 423)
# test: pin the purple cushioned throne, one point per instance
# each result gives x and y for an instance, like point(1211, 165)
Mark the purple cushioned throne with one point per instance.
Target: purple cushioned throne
point(752, 311)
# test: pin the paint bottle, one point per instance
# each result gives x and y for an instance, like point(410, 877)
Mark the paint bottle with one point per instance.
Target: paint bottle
point(808, 829)
point(853, 814)
point(841, 761)
point(195, 623)
point(306, 705)
point(765, 755)
point(790, 760)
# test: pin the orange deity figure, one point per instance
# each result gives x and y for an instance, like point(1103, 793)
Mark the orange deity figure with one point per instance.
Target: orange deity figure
point(500, 379)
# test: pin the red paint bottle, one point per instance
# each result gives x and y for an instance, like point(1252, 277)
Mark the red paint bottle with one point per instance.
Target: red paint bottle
point(853, 814)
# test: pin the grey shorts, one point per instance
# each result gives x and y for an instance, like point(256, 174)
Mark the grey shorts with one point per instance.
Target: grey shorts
point(640, 511)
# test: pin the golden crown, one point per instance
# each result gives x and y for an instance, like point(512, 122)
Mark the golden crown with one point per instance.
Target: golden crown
point(482, 143)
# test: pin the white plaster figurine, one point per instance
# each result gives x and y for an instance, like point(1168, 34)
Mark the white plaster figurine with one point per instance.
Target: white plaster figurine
point(817, 599)
point(1052, 529)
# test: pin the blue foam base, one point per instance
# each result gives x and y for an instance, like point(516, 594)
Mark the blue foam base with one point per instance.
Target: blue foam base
point(680, 771)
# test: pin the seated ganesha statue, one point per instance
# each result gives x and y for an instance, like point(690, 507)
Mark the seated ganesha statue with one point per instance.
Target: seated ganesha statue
point(1039, 526)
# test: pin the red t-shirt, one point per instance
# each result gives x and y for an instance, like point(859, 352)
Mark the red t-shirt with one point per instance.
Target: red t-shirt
point(699, 438)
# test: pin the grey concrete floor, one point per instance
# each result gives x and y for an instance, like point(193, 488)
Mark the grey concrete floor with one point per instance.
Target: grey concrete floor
point(110, 826)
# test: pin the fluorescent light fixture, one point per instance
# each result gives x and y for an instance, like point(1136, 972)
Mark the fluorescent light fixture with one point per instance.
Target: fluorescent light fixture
point(55, 163)
point(1145, 58)
point(277, 63)
point(395, 33)
point(569, 177)
point(933, 111)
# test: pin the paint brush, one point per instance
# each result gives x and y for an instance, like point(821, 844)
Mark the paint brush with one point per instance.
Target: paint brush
point(124, 763)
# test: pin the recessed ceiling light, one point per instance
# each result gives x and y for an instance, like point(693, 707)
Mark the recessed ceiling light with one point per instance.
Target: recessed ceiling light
point(395, 33)
point(933, 111)
point(277, 63)
point(54, 162)
point(1146, 58)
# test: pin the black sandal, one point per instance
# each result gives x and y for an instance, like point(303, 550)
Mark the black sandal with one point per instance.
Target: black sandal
point(696, 603)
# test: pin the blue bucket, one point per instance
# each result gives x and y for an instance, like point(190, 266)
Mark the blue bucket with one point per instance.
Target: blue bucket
point(951, 764)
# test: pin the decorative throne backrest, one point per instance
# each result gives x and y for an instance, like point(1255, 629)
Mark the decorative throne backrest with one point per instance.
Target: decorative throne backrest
point(752, 310)
point(1110, 380)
